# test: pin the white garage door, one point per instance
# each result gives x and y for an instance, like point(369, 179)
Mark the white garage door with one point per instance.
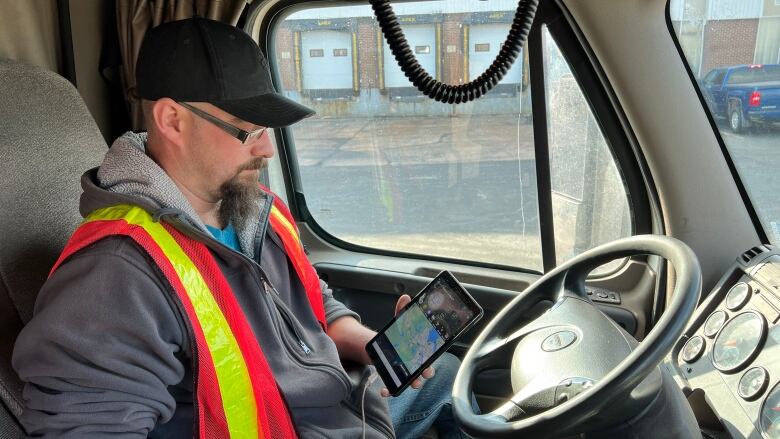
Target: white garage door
point(485, 41)
point(326, 60)
point(422, 40)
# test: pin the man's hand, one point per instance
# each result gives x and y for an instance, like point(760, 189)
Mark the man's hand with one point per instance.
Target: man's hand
point(427, 373)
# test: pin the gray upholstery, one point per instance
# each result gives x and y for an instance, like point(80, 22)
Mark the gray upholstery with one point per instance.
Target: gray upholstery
point(9, 428)
point(47, 140)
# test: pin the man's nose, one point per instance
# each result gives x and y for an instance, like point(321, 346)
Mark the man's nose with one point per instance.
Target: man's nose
point(263, 147)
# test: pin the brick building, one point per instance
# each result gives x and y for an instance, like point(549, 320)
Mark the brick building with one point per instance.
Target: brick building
point(718, 33)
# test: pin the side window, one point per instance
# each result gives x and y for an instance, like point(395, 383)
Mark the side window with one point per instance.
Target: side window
point(719, 77)
point(715, 77)
point(590, 206)
point(742, 37)
point(389, 170)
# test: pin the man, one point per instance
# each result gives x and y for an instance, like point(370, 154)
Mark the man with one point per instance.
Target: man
point(185, 305)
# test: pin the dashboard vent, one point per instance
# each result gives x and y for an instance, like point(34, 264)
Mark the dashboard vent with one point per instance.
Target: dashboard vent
point(752, 253)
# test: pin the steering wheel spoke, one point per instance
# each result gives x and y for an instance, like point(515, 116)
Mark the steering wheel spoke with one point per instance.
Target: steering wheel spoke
point(507, 412)
point(498, 350)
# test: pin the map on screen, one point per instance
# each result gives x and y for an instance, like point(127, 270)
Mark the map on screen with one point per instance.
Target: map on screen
point(414, 338)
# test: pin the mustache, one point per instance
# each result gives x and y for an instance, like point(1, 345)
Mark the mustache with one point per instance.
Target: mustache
point(258, 163)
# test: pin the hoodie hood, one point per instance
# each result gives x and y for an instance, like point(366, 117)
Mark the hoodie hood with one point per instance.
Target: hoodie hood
point(129, 176)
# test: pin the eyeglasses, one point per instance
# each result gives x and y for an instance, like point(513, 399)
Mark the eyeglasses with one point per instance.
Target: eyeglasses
point(238, 133)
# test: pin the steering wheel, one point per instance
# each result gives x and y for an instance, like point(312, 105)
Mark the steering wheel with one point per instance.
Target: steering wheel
point(571, 362)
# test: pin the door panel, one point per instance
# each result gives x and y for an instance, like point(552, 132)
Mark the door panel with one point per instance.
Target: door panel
point(372, 293)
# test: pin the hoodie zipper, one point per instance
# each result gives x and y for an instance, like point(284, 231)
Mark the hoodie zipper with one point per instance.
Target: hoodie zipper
point(285, 313)
point(293, 349)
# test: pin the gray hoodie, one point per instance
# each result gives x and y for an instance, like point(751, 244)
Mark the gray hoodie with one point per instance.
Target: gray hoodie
point(108, 354)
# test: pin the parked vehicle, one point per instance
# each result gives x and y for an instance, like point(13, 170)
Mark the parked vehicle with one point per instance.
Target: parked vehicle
point(744, 95)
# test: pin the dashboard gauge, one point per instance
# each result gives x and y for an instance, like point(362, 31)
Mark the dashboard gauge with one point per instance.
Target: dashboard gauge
point(692, 349)
point(738, 296)
point(739, 341)
point(753, 383)
point(770, 414)
point(714, 322)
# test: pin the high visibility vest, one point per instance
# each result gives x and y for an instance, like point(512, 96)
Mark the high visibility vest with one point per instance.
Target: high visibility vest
point(238, 398)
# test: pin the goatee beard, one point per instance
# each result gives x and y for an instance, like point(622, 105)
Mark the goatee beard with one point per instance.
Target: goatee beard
point(239, 197)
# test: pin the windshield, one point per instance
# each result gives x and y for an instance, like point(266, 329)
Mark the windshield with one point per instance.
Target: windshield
point(733, 49)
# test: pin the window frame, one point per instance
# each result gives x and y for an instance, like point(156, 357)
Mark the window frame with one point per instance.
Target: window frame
point(642, 199)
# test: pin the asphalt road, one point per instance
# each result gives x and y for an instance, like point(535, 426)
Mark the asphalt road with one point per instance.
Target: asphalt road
point(757, 158)
point(457, 186)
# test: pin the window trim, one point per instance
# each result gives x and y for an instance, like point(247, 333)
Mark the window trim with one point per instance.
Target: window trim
point(642, 200)
point(631, 164)
point(541, 144)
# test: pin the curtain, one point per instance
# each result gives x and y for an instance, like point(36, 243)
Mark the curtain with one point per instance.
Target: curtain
point(135, 17)
point(37, 22)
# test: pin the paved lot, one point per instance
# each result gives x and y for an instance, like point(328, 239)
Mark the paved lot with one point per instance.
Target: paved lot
point(461, 186)
point(403, 141)
point(757, 157)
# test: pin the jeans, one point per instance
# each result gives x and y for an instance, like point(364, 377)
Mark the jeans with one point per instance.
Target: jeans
point(414, 411)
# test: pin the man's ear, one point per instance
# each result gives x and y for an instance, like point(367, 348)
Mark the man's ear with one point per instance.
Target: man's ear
point(171, 120)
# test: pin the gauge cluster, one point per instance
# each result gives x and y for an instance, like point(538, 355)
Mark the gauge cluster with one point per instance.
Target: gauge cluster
point(731, 350)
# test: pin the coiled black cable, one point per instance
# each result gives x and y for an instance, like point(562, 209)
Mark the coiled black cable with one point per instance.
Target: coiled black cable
point(455, 94)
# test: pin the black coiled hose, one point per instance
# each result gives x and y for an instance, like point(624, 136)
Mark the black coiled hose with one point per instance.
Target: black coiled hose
point(455, 94)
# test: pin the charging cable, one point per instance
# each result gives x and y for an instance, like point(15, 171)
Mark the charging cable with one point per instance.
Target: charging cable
point(370, 380)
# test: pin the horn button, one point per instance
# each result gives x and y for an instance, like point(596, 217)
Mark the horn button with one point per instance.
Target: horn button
point(563, 353)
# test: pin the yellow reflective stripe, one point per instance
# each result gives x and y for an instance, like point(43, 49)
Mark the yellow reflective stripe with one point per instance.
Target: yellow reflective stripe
point(238, 400)
point(283, 220)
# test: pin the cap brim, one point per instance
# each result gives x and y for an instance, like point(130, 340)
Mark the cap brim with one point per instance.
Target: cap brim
point(270, 110)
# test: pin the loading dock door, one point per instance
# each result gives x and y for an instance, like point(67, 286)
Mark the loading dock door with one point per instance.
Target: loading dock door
point(485, 40)
point(422, 40)
point(326, 63)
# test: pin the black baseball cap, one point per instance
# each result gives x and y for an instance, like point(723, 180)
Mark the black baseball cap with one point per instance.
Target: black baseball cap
point(202, 60)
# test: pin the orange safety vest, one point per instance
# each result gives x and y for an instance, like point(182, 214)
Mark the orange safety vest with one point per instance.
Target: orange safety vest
point(236, 393)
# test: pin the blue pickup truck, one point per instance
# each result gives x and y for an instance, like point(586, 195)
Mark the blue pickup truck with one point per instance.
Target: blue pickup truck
point(744, 95)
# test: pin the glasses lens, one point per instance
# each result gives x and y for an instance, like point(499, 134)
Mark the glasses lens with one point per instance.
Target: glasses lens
point(256, 134)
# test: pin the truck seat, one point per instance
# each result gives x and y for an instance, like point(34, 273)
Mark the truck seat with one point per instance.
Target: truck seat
point(47, 140)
